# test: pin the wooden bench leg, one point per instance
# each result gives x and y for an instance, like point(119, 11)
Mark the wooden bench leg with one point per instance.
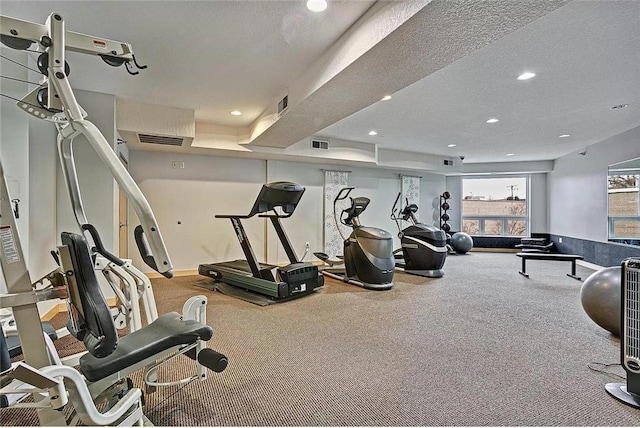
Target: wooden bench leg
point(573, 271)
point(523, 272)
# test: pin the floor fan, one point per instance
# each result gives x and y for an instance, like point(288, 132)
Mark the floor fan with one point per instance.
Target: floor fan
point(629, 393)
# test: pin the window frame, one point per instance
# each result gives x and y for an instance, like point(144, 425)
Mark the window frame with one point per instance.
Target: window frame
point(504, 218)
point(612, 219)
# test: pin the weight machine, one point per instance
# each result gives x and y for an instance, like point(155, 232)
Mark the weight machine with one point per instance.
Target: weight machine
point(43, 375)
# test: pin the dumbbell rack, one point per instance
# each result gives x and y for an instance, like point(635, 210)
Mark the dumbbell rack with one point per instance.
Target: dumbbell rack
point(444, 207)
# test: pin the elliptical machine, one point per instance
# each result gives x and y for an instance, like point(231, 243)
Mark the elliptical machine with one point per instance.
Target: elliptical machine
point(368, 251)
point(424, 248)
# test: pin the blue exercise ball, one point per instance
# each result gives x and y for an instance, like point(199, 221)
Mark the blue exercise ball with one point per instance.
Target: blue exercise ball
point(600, 298)
point(461, 242)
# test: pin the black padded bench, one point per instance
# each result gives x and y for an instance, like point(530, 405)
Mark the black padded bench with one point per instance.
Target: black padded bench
point(529, 248)
point(548, 256)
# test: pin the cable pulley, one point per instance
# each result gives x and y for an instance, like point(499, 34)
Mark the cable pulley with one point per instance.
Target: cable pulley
point(43, 65)
point(43, 100)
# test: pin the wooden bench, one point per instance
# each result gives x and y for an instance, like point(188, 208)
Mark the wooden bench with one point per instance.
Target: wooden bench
point(548, 256)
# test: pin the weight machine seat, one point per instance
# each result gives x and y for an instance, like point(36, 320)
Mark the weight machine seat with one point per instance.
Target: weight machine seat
point(166, 332)
point(109, 354)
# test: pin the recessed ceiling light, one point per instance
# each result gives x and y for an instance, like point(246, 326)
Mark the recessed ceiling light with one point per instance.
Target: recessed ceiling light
point(510, 154)
point(236, 113)
point(316, 5)
point(373, 133)
point(492, 120)
point(526, 76)
point(386, 98)
point(451, 145)
point(619, 106)
point(564, 136)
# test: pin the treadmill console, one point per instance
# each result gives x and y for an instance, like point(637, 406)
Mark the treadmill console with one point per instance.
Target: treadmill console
point(283, 194)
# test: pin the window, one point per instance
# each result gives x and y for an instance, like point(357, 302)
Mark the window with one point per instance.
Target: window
point(495, 206)
point(624, 206)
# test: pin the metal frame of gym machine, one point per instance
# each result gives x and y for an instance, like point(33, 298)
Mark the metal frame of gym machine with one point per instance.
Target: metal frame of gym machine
point(415, 251)
point(70, 124)
point(294, 280)
point(357, 260)
point(43, 371)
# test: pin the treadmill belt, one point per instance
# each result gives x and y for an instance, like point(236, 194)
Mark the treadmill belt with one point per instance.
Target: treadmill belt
point(243, 265)
point(236, 292)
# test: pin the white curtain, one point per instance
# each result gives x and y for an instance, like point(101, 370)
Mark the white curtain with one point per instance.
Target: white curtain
point(333, 182)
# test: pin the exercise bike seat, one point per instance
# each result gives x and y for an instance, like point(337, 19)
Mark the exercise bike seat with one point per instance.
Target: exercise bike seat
point(167, 331)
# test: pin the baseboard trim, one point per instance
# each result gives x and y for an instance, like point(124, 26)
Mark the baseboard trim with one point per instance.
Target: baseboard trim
point(62, 307)
point(186, 272)
point(589, 265)
point(493, 250)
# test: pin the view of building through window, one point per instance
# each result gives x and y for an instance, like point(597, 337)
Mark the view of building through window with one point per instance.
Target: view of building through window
point(624, 206)
point(495, 206)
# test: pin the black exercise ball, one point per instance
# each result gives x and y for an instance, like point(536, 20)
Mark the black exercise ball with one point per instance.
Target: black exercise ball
point(445, 206)
point(600, 298)
point(461, 242)
point(445, 217)
point(445, 227)
point(446, 195)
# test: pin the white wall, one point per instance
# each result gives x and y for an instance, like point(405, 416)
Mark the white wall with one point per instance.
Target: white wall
point(538, 203)
point(28, 153)
point(97, 186)
point(14, 143)
point(43, 158)
point(577, 187)
point(14, 139)
point(306, 224)
point(193, 195)
point(454, 187)
point(210, 185)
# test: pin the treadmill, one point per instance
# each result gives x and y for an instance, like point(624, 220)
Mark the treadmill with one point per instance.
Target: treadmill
point(276, 283)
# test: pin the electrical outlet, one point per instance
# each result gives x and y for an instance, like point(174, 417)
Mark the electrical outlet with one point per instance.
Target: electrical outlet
point(181, 164)
point(560, 240)
point(174, 164)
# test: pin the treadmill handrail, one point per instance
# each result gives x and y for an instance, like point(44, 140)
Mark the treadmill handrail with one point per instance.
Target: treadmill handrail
point(249, 216)
point(276, 215)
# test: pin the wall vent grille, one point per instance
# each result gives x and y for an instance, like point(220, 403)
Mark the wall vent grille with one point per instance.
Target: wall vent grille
point(159, 139)
point(320, 144)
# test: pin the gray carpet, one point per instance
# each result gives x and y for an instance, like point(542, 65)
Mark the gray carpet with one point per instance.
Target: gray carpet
point(480, 346)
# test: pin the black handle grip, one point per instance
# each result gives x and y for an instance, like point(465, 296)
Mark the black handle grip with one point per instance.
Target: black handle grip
point(213, 360)
point(55, 257)
point(343, 193)
point(146, 255)
point(99, 248)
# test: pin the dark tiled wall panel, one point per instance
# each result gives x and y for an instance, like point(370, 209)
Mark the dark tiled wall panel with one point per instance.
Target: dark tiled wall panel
point(600, 253)
point(495, 242)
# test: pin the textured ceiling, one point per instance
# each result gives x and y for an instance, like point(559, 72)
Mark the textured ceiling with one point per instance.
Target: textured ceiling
point(586, 56)
point(211, 56)
point(450, 66)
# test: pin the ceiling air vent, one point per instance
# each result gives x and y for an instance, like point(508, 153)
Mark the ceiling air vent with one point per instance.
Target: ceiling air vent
point(320, 144)
point(159, 139)
point(283, 104)
point(448, 162)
